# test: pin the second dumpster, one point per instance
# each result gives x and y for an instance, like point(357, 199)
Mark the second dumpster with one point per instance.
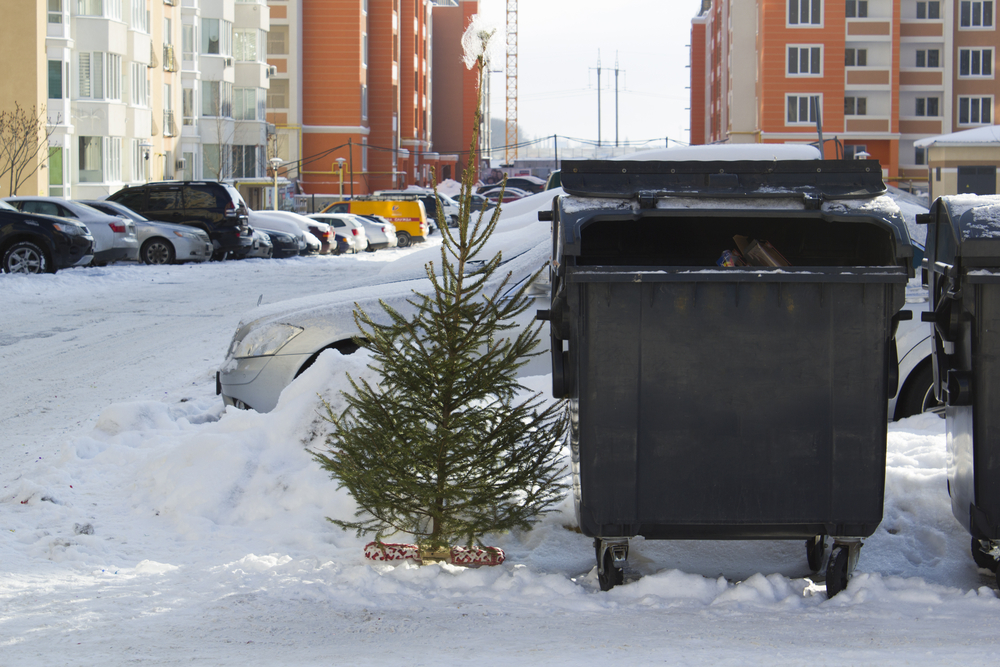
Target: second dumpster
point(724, 332)
point(963, 278)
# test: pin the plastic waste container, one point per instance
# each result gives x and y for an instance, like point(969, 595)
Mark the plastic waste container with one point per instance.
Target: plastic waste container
point(727, 402)
point(962, 274)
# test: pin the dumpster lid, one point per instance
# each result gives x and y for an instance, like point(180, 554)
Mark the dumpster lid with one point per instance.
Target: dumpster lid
point(974, 221)
point(815, 180)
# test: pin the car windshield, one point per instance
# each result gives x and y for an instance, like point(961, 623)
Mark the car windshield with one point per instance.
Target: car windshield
point(4, 205)
point(110, 209)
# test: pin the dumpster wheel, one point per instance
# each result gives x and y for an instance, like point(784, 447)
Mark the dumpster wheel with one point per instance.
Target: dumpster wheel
point(980, 554)
point(815, 550)
point(843, 559)
point(611, 557)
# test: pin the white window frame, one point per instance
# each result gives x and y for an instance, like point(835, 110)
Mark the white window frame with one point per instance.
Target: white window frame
point(985, 58)
point(859, 106)
point(927, 59)
point(794, 10)
point(139, 77)
point(810, 121)
point(857, 57)
point(927, 101)
point(93, 143)
point(140, 17)
point(926, 6)
point(112, 168)
point(799, 48)
point(975, 108)
point(55, 11)
point(970, 7)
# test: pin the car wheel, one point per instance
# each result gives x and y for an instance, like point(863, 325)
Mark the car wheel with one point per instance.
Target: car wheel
point(917, 394)
point(157, 251)
point(25, 257)
point(402, 240)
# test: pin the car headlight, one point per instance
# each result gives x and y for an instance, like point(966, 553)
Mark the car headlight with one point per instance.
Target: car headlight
point(265, 341)
point(71, 228)
point(185, 235)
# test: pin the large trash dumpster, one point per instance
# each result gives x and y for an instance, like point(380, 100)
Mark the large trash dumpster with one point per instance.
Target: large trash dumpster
point(727, 402)
point(962, 273)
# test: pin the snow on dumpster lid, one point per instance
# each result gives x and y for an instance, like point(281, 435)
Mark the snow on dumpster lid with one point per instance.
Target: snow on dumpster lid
point(816, 179)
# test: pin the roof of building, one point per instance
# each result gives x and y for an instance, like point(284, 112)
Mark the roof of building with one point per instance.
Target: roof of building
point(989, 134)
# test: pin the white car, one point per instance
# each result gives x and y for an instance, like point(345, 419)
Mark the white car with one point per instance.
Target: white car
point(322, 231)
point(308, 243)
point(347, 225)
point(380, 232)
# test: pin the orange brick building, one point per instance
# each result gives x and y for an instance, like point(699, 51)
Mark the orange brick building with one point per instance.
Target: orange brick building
point(881, 73)
point(352, 80)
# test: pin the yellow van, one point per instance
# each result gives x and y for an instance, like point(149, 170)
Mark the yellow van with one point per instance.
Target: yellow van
point(408, 215)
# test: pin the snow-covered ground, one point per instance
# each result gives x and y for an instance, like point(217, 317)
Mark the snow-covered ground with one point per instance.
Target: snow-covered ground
point(143, 523)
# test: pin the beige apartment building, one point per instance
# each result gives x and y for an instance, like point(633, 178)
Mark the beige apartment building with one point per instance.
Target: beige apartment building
point(139, 90)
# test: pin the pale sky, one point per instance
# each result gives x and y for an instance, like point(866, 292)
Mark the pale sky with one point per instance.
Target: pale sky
point(558, 44)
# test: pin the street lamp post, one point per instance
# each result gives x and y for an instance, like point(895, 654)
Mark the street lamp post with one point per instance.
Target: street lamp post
point(275, 163)
point(340, 172)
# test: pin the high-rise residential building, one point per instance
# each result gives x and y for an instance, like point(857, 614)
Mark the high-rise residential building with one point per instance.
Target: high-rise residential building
point(138, 90)
point(873, 75)
point(455, 89)
point(351, 94)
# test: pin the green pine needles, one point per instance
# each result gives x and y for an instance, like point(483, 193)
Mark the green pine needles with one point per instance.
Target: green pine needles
point(445, 446)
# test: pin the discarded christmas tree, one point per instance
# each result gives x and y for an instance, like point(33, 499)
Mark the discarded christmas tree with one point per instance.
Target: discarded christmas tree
point(445, 447)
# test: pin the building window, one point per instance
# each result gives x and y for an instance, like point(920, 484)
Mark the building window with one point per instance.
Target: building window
point(855, 106)
point(364, 101)
point(364, 49)
point(975, 62)
point(277, 94)
point(245, 161)
point(100, 76)
point(928, 58)
point(975, 110)
point(801, 109)
point(805, 12)
point(140, 17)
point(277, 40)
point(857, 9)
point(216, 37)
point(187, 42)
point(919, 155)
point(856, 57)
point(245, 43)
point(55, 171)
point(91, 159)
point(927, 106)
point(55, 80)
point(217, 98)
point(139, 84)
point(929, 10)
point(802, 60)
point(188, 106)
point(976, 14)
point(245, 104)
point(55, 11)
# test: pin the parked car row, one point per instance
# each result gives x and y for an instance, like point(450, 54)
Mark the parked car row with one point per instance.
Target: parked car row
point(171, 222)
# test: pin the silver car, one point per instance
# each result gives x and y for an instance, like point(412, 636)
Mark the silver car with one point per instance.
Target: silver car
point(114, 238)
point(161, 242)
point(272, 349)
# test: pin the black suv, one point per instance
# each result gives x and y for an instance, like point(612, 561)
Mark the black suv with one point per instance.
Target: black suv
point(214, 207)
point(31, 243)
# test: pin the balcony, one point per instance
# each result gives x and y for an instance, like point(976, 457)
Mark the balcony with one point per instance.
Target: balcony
point(169, 61)
point(169, 126)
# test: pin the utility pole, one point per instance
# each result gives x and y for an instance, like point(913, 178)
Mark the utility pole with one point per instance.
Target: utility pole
point(616, 99)
point(598, 68)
